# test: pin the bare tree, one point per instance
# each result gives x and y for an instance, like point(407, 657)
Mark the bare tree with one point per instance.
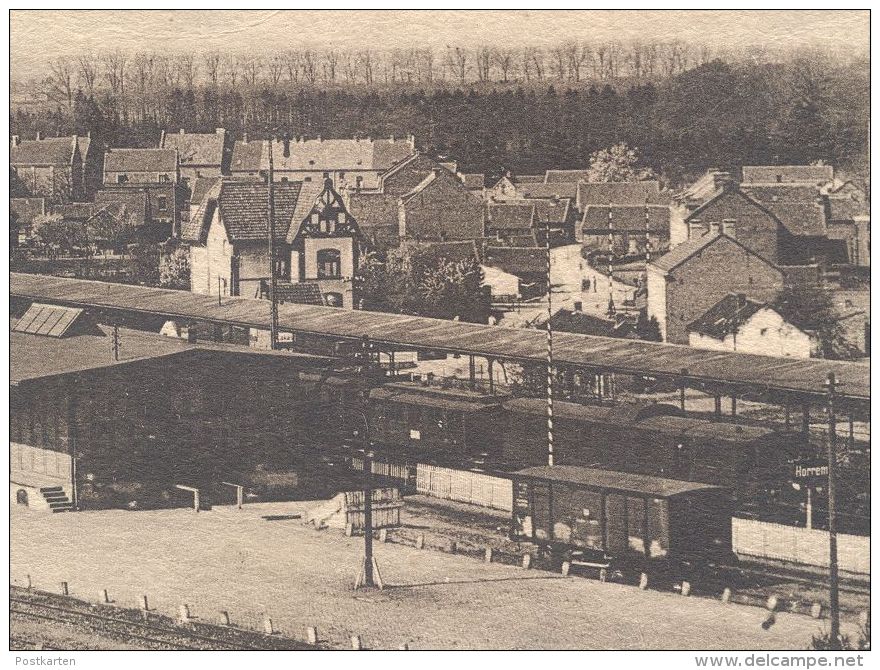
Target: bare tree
point(484, 63)
point(309, 62)
point(365, 65)
point(61, 80)
point(292, 60)
point(87, 72)
point(538, 62)
point(575, 55)
point(330, 65)
point(557, 62)
point(425, 67)
point(349, 67)
point(505, 62)
point(231, 69)
point(212, 63)
point(275, 66)
point(457, 59)
point(144, 66)
point(187, 68)
point(115, 63)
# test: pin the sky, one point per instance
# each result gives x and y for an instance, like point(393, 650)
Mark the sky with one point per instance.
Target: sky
point(69, 32)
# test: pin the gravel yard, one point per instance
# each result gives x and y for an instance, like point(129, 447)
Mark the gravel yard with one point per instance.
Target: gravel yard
point(234, 560)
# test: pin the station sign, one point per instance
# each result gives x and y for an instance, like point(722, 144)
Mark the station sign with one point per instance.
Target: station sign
point(810, 470)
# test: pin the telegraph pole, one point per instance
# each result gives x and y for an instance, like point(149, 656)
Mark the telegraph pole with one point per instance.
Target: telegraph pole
point(549, 346)
point(115, 343)
point(273, 284)
point(834, 598)
point(611, 308)
point(368, 471)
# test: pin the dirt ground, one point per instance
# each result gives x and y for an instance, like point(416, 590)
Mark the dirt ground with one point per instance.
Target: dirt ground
point(237, 561)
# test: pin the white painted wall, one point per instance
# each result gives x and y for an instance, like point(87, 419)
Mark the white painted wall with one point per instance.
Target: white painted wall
point(766, 333)
point(345, 246)
point(502, 283)
point(657, 298)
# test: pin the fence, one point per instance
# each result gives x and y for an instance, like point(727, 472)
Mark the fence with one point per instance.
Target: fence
point(800, 545)
point(465, 486)
point(35, 466)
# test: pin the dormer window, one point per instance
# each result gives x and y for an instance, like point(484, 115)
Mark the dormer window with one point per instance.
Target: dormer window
point(340, 217)
point(121, 178)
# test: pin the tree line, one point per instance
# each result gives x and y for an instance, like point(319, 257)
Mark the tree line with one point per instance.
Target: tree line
point(718, 113)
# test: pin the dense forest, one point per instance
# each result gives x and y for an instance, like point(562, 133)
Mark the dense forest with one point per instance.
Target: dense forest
point(521, 114)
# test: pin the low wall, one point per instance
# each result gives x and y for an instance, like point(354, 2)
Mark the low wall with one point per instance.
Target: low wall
point(799, 545)
point(465, 486)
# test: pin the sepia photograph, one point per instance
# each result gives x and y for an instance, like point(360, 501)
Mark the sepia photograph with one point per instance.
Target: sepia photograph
point(430, 330)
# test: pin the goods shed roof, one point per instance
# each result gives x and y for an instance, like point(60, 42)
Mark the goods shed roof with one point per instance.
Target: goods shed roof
point(658, 487)
point(799, 377)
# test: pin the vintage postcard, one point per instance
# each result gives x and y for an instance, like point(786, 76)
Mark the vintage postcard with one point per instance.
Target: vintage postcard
point(439, 330)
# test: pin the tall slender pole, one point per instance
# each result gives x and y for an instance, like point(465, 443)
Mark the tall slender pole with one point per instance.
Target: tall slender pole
point(368, 473)
point(611, 308)
point(273, 284)
point(832, 521)
point(549, 346)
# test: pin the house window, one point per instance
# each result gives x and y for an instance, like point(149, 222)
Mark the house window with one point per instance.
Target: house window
point(311, 162)
point(333, 299)
point(359, 181)
point(326, 175)
point(342, 175)
point(329, 264)
point(163, 203)
point(327, 225)
point(763, 332)
point(121, 178)
point(307, 179)
point(284, 180)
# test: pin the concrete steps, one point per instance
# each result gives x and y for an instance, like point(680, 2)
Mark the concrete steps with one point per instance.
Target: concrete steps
point(56, 498)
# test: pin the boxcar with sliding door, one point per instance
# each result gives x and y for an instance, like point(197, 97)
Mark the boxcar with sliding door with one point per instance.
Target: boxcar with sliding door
point(632, 520)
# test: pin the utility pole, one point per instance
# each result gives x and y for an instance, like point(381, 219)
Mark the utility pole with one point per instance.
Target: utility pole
point(549, 346)
point(368, 580)
point(834, 598)
point(273, 285)
point(115, 342)
point(611, 307)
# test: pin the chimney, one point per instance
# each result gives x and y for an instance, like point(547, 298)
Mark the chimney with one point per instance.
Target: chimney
point(181, 131)
point(220, 131)
point(16, 140)
point(392, 139)
point(89, 134)
point(39, 135)
point(319, 139)
point(740, 300)
point(578, 306)
point(161, 138)
point(369, 139)
point(436, 171)
point(286, 141)
point(723, 181)
point(715, 227)
point(244, 138)
point(728, 227)
point(412, 141)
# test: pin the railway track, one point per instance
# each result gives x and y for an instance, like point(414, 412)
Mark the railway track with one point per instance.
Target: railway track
point(153, 634)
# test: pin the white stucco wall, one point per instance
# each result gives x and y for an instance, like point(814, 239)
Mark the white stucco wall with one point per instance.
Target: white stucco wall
point(342, 244)
point(766, 333)
point(657, 298)
point(502, 283)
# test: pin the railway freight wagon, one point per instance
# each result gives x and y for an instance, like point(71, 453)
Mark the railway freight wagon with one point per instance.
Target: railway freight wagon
point(634, 520)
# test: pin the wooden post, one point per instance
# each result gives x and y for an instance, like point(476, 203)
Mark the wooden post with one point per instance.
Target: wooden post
point(491, 376)
point(834, 600)
point(472, 372)
point(683, 387)
point(733, 406)
point(717, 405)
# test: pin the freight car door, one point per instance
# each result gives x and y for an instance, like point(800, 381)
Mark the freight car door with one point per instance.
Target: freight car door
point(541, 510)
point(616, 523)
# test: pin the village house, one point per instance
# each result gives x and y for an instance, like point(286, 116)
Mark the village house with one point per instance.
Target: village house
point(200, 154)
point(619, 193)
point(92, 157)
point(510, 186)
point(50, 168)
point(529, 264)
point(849, 222)
point(685, 282)
point(810, 175)
point(577, 321)
point(510, 219)
point(351, 163)
point(152, 172)
point(318, 242)
point(23, 212)
point(502, 285)
point(739, 323)
point(440, 208)
point(247, 159)
point(566, 176)
point(633, 229)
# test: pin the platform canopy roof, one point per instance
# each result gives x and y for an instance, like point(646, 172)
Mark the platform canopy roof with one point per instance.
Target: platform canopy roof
point(798, 378)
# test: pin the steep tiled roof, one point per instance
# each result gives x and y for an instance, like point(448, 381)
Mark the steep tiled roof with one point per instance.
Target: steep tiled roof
point(308, 194)
point(568, 321)
point(84, 142)
point(140, 160)
point(50, 151)
point(557, 190)
point(339, 154)
point(846, 209)
point(627, 218)
point(463, 250)
point(196, 228)
point(798, 208)
point(511, 215)
point(557, 176)
point(771, 174)
point(247, 156)
point(726, 316)
point(619, 193)
point(196, 148)
point(782, 192)
point(527, 179)
point(373, 210)
point(681, 253)
point(132, 200)
point(552, 211)
point(516, 260)
point(300, 293)
point(200, 188)
point(473, 180)
point(421, 186)
point(75, 211)
point(27, 209)
point(244, 209)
